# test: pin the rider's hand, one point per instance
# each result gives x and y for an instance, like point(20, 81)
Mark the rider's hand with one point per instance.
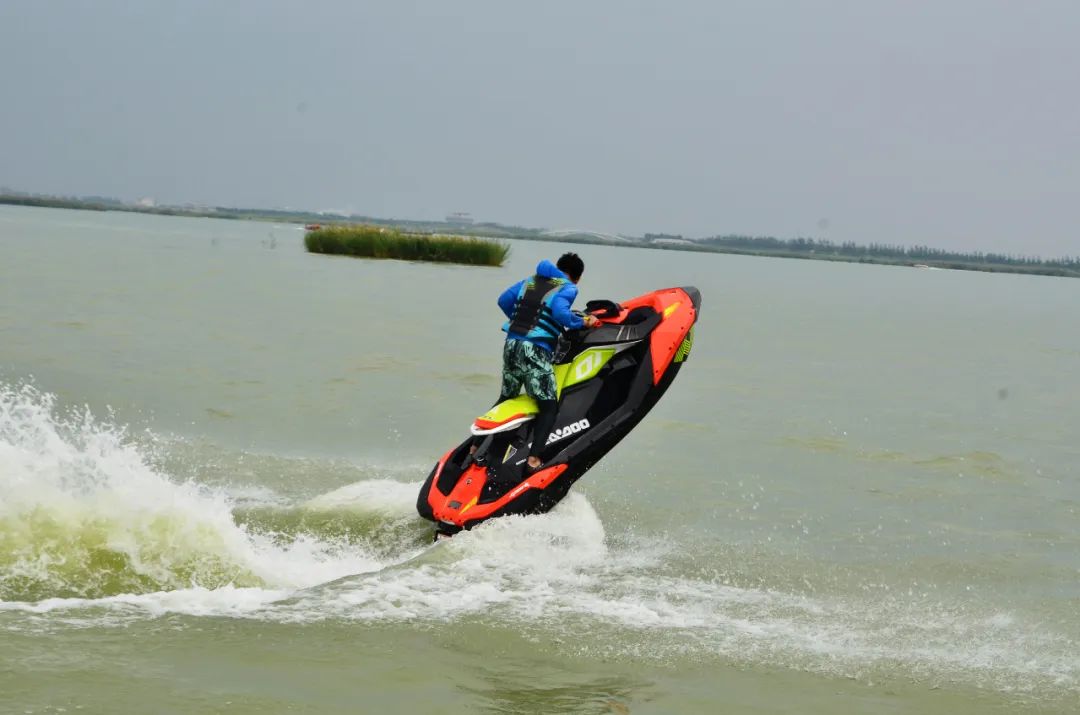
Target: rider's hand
point(591, 321)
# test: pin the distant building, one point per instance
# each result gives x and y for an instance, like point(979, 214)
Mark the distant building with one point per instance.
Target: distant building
point(460, 219)
point(146, 203)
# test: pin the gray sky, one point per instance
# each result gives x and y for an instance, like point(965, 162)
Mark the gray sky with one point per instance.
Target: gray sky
point(954, 123)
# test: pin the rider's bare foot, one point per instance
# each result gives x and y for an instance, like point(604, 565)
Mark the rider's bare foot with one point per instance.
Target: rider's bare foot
point(533, 462)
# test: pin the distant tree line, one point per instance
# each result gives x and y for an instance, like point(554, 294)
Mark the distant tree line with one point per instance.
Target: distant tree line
point(852, 251)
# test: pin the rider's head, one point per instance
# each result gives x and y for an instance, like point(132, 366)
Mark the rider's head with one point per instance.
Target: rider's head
point(572, 265)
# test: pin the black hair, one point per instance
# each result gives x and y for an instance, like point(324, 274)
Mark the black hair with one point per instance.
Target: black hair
point(572, 265)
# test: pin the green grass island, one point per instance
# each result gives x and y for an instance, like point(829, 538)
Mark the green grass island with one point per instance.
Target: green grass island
point(367, 241)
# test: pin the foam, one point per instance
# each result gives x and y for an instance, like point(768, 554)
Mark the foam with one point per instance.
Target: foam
point(373, 495)
point(560, 575)
point(84, 515)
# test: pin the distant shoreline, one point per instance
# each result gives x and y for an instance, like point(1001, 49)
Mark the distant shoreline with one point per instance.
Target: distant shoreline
point(807, 249)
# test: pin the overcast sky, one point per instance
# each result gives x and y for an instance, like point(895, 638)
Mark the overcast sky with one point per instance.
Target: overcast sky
point(954, 123)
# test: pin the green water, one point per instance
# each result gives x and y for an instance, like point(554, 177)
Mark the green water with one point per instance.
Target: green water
point(860, 495)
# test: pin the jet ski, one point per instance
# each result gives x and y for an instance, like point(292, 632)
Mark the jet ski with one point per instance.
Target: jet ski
point(607, 379)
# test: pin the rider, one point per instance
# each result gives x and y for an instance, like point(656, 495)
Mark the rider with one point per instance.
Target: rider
point(538, 309)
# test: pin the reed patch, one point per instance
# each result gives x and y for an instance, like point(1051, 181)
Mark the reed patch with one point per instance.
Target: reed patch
point(367, 241)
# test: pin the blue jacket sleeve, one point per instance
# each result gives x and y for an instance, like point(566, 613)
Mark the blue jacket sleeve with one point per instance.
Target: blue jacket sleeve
point(508, 298)
point(560, 307)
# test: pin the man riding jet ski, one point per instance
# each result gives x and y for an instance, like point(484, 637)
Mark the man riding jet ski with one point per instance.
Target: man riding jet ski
point(605, 380)
point(538, 312)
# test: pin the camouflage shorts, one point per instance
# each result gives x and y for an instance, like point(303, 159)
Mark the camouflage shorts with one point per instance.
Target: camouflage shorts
point(528, 365)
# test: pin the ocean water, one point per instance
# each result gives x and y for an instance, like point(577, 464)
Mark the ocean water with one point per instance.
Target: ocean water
point(860, 495)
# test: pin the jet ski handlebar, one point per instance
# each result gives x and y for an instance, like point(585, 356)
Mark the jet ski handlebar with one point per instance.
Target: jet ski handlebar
point(603, 308)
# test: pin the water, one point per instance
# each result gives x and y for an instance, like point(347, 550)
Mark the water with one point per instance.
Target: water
point(860, 495)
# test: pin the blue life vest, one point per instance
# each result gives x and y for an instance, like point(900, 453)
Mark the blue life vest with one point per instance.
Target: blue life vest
point(533, 318)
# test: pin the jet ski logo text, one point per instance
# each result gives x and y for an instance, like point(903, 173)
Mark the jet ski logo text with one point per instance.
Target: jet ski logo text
point(564, 432)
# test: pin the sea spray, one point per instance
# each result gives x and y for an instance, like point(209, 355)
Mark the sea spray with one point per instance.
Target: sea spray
point(84, 515)
point(92, 535)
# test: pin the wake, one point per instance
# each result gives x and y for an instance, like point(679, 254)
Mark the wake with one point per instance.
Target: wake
point(84, 515)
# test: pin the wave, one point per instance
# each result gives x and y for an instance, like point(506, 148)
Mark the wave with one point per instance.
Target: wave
point(93, 533)
point(84, 515)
